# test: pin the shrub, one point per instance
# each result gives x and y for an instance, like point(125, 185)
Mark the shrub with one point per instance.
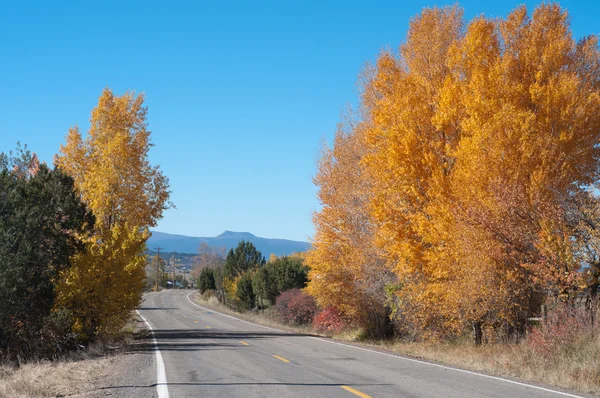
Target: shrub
point(563, 326)
point(56, 337)
point(330, 319)
point(296, 307)
point(208, 294)
point(282, 301)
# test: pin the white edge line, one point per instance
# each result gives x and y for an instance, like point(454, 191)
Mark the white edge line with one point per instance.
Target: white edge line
point(162, 388)
point(399, 356)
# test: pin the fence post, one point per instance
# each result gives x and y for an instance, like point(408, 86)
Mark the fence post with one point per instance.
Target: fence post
point(544, 312)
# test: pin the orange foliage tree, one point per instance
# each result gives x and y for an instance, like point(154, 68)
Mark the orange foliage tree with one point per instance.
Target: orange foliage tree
point(474, 140)
point(347, 271)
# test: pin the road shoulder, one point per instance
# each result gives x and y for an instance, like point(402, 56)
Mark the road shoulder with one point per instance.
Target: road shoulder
point(131, 373)
point(385, 349)
point(122, 370)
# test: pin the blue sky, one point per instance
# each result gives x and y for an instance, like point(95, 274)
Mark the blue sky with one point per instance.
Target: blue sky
point(240, 94)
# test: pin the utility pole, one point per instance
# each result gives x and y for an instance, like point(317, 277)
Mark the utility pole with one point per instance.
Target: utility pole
point(184, 272)
point(173, 262)
point(157, 266)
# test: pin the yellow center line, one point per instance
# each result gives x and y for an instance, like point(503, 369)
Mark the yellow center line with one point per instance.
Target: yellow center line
point(356, 392)
point(195, 321)
point(281, 358)
point(208, 327)
point(244, 343)
point(185, 316)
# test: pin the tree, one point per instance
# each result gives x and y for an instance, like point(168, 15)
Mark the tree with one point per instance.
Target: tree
point(528, 112)
point(468, 144)
point(42, 225)
point(128, 195)
point(582, 213)
point(244, 258)
point(347, 269)
point(276, 276)
point(263, 287)
point(408, 159)
point(208, 257)
point(206, 280)
point(219, 284)
point(244, 293)
point(21, 163)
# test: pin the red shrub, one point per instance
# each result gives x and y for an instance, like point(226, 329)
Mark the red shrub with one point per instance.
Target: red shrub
point(282, 301)
point(296, 307)
point(330, 319)
point(561, 328)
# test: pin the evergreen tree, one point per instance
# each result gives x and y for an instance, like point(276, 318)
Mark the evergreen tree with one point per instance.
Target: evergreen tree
point(279, 275)
point(42, 222)
point(244, 258)
point(244, 292)
point(206, 280)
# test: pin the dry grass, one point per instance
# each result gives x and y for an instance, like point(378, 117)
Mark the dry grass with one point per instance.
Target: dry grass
point(71, 375)
point(575, 366)
point(51, 379)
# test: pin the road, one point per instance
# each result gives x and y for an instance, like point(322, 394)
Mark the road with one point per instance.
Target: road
point(208, 354)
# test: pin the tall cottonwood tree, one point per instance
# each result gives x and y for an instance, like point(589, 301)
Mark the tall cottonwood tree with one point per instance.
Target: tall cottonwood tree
point(475, 138)
point(529, 113)
point(409, 159)
point(128, 195)
point(347, 270)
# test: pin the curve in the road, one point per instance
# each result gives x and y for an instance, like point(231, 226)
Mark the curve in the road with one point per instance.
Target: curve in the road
point(401, 357)
point(210, 354)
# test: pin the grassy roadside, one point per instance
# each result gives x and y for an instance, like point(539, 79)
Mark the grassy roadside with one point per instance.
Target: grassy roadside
point(72, 375)
point(576, 368)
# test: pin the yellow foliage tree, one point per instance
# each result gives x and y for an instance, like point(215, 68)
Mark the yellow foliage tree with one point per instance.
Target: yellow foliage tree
point(127, 196)
point(474, 139)
point(346, 269)
point(528, 109)
point(409, 160)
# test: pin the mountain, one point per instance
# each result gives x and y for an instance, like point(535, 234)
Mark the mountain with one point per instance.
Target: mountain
point(228, 239)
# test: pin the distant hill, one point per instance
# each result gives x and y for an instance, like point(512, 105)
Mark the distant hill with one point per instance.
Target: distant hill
point(228, 239)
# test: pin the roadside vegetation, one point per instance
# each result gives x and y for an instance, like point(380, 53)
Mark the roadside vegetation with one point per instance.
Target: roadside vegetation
point(72, 236)
point(460, 214)
point(51, 379)
point(75, 373)
point(460, 218)
point(553, 353)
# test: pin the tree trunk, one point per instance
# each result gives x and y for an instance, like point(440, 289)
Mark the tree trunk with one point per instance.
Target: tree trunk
point(592, 304)
point(477, 332)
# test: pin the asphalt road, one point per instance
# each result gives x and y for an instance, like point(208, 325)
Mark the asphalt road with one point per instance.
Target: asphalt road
point(208, 354)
